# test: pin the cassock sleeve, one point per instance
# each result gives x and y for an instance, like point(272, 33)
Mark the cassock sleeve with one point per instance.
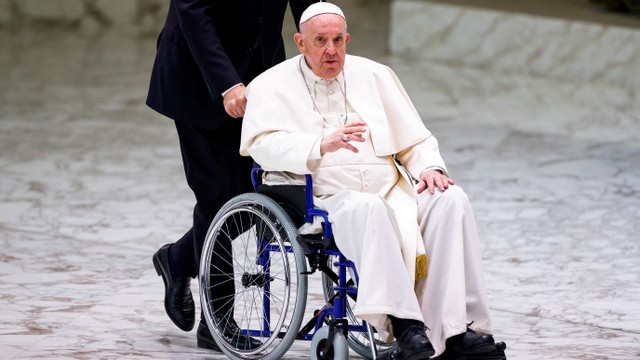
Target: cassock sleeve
point(280, 128)
point(284, 151)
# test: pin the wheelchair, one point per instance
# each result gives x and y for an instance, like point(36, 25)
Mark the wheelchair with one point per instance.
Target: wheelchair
point(254, 273)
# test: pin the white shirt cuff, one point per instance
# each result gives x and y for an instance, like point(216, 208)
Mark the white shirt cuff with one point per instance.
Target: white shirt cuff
point(231, 88)
point(315, 150)
point(436, 168)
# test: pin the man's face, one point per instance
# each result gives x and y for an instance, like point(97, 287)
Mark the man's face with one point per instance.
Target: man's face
point(323, 42)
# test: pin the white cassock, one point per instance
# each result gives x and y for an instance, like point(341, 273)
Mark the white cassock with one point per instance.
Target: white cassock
point(379, 221)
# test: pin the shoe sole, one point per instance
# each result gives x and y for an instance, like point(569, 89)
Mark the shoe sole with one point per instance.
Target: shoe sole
point(495, 352)
point(209, 344)
point(162, 272)
point(206, 344)
point(491, 356)
point(419, 356)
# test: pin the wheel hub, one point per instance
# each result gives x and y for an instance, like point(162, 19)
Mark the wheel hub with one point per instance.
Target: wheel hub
point(258, 280)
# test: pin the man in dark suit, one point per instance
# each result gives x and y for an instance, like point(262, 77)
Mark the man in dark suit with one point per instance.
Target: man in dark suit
point(207, 52)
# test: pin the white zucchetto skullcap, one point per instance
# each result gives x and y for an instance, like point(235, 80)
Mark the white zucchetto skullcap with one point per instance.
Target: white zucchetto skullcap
point(320, 8)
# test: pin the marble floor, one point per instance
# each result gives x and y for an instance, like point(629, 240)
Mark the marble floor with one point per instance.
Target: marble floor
point(91, 184)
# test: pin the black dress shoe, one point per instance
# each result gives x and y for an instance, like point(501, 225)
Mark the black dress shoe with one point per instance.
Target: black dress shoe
point(469, 343)
point(413, 344)
point(393, 355)
point(232, 335)
point(178, 301)
point(204, 338)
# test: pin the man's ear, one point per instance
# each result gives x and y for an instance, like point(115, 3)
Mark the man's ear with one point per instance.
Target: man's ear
point(347, 37)
point(297, 38)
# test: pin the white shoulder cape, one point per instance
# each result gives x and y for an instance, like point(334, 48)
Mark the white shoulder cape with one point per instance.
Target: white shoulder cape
point(279, 108)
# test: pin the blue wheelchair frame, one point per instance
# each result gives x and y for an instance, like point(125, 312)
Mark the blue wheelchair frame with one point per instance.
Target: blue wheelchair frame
point(335, 315)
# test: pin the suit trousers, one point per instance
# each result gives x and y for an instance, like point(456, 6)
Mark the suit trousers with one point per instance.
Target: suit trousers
point(215, 172)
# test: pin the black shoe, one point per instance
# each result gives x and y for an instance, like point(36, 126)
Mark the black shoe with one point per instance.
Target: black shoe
point(393, 355)
point(204, 338)
point(413, 344)
point(178, 301)
point(466, 344)
point(232, 336)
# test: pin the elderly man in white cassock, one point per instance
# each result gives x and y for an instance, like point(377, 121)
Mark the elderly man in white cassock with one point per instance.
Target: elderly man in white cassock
point(409, 230)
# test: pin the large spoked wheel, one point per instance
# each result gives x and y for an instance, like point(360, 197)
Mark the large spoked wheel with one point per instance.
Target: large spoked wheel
point(358, 341)
point(251, 274)
point(338, 350)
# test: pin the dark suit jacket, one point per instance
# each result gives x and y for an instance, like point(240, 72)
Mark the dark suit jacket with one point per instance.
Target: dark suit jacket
point(207, 46)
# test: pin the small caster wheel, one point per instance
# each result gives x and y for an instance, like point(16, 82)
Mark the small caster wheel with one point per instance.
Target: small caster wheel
point(339, 349)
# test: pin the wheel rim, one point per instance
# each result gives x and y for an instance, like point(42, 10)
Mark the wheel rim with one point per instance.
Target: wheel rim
point(264, 271)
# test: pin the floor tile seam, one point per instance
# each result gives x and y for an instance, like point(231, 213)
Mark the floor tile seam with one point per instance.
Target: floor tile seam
point(402, 63)
point(526, 76)
point(516, 129)
point(550, 318)
point(7, 230)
